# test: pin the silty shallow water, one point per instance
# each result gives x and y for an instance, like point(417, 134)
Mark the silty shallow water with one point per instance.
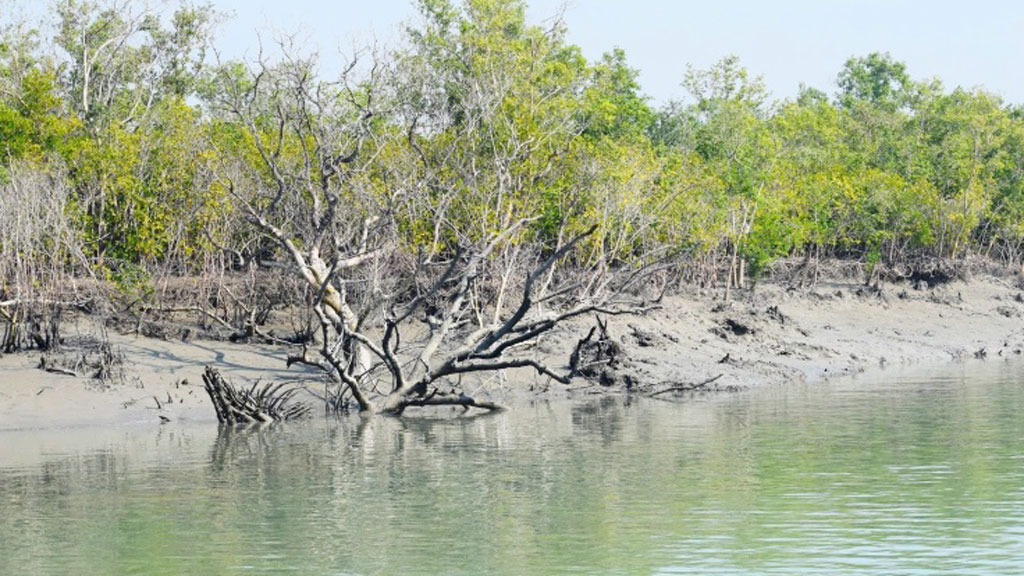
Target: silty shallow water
point(892, 474)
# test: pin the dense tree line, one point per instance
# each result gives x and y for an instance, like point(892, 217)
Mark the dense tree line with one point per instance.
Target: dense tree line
point(131, 150)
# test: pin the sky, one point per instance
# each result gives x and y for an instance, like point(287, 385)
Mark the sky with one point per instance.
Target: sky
point(787, 42)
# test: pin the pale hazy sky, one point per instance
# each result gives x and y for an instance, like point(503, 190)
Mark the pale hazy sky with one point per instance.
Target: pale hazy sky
point(979, 43)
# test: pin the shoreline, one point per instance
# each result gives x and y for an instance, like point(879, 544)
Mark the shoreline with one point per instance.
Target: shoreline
point(771, 335)
point(833, 330)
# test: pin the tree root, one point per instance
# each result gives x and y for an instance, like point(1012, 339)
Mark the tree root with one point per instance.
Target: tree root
point(269, 403)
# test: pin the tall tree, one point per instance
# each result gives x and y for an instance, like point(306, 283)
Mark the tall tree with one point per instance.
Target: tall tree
point(734, 141)
point(876, 79)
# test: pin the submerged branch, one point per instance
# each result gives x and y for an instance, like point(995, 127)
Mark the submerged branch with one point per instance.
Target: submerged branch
point(435, 399)
point(690, 387)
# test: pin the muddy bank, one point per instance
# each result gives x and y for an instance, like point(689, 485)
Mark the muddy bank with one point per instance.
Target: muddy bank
point(771, 335)
point(776, 335)
point(160, 378)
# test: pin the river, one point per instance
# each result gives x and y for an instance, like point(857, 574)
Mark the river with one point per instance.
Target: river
point(916, 472)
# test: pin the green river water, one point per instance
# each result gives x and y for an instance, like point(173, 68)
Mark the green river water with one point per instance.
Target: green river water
point(897, 473)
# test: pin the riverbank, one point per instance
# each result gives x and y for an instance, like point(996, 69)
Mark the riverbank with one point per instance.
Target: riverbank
point(835, 329)
point(771, 335)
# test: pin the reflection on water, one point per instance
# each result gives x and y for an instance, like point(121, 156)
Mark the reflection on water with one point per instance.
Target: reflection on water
point(900, 475)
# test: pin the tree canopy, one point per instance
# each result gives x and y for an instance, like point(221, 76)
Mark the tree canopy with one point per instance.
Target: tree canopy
point(479, 119)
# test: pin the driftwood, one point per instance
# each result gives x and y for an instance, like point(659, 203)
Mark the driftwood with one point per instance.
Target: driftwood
point(266, 403)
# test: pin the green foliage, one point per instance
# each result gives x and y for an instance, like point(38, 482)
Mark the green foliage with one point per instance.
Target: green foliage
point(490, 121)
point(118, 60)
point(875, 79)
point(31, 121)
point(132, 281)
point(613, 103)
point(502, 98)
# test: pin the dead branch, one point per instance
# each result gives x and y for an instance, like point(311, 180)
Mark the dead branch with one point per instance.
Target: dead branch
point(47, 367)
point(436, 399)
point(689, 387)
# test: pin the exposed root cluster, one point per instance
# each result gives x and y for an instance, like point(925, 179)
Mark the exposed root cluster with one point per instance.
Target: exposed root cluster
point(92, 357)
point(259, 404)
point(599, 358)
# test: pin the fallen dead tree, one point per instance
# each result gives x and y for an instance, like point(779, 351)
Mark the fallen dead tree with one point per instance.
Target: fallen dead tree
point(259, 404)
point(406, 322)
point(383, 372)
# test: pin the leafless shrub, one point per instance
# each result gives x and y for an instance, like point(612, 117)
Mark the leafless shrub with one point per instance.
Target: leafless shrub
point(42, 266)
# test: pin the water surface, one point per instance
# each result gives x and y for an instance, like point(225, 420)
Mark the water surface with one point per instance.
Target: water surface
point(894, 474)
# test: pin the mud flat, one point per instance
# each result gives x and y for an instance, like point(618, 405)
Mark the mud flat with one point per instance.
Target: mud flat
point(696, 341)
